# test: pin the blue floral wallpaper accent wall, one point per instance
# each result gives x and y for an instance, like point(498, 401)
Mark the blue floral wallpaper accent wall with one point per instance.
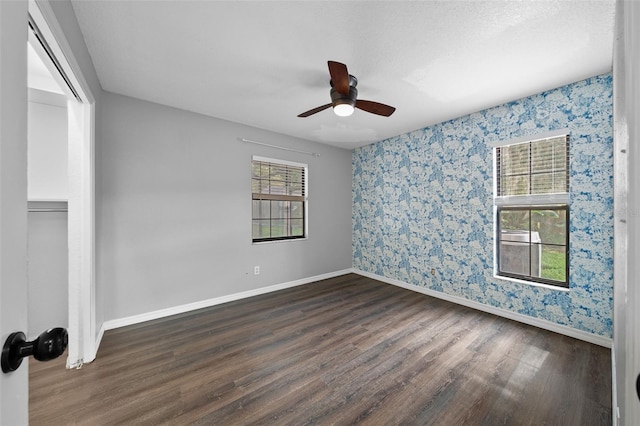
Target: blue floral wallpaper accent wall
point(423, 200)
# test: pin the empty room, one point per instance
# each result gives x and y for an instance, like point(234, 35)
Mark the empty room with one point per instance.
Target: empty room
point(319, 212)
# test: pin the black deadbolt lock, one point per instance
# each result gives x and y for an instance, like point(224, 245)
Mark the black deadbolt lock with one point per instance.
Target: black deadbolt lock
point(48, 345)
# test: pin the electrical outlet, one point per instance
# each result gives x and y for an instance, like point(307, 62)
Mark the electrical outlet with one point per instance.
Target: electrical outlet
point(256, 270)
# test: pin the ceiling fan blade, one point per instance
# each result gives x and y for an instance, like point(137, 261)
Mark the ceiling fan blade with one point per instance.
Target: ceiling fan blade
point(375, 107)
point(339, 77)
point(313, 111)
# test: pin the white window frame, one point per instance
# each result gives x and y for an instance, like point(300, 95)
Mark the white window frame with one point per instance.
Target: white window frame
point(533, 200)
point(306, 199)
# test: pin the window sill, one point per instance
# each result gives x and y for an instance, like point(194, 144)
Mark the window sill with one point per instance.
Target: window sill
point(258, 243)
point(531, 283)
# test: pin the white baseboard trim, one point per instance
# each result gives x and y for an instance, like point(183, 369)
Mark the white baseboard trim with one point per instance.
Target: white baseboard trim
point(536, 322)
point(136, 319)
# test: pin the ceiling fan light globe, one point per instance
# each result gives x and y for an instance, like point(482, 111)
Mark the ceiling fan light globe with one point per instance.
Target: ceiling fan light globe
point(343, 110)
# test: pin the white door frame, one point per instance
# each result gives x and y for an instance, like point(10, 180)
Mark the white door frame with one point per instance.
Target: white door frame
point(83, 338)
point(626, 343)
point(631, 18)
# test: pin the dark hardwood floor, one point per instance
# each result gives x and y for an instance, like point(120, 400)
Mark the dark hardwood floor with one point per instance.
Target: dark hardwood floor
point(340, 351)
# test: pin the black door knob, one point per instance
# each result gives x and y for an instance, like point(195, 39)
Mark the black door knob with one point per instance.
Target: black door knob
point(48, 345)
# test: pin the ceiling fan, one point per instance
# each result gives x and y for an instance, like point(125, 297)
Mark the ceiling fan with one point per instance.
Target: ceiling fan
point(344, 95)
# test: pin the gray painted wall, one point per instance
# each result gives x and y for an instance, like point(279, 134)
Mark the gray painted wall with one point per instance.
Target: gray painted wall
point(175, 217)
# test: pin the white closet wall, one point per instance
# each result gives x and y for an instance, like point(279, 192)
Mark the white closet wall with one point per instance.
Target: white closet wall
point(47, 219)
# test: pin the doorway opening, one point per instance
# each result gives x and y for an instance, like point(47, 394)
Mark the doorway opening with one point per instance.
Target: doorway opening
point(60, 189)
point(47, 194)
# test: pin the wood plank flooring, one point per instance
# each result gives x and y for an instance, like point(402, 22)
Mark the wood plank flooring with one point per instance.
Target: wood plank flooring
point(340, 351)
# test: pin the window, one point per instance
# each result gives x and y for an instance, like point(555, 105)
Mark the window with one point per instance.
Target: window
point(279, 200)
point(532, 211)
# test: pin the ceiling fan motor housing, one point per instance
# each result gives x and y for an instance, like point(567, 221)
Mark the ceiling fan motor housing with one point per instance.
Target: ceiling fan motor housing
point(338, 98)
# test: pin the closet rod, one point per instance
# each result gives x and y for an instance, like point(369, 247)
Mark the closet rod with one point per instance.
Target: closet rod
point(47, 210)
point(315, 154)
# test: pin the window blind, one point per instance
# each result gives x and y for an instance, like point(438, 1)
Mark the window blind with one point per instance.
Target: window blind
point(533, 168)
point(279, 182)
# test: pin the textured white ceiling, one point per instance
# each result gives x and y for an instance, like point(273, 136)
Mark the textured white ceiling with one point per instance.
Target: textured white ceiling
point(263, 62)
